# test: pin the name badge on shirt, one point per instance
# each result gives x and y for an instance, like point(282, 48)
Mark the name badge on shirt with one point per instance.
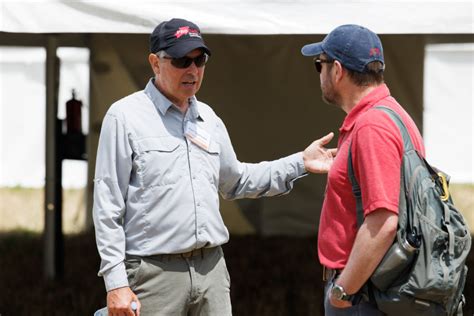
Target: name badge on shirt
point(197, 135)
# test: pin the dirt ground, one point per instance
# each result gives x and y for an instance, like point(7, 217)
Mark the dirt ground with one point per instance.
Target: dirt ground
point(22, 208)
point(276, 276)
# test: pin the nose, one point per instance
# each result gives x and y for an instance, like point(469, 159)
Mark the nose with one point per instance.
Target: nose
point(192, 69)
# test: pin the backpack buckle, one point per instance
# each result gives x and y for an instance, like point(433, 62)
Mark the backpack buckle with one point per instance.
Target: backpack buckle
point(444, 186)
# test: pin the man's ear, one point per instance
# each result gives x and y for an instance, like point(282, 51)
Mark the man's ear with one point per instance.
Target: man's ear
point(339, 70)
point(154, 63)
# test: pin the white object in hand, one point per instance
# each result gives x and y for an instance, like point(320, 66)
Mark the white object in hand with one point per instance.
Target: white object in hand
point(105, 312)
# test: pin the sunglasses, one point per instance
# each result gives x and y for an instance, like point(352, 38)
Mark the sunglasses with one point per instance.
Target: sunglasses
point(185, 62)
point(318, 62)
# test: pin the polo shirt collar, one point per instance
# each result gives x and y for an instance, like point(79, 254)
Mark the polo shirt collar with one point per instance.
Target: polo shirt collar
point(163, 104)
point(367, 102)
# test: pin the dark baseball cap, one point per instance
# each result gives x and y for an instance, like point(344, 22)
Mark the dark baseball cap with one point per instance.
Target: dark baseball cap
point(354, 46)
point(177, 37)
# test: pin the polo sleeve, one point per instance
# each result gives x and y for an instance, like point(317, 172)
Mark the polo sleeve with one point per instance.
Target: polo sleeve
point(377, 157)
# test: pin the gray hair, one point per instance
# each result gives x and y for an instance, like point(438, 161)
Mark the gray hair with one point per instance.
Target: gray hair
point(161, 54)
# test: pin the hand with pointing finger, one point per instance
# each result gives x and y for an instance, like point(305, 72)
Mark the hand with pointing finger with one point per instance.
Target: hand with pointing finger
point(317, 158)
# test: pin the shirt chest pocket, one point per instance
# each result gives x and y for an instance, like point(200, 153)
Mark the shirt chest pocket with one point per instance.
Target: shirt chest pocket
point(210, 159)
point(160, 161)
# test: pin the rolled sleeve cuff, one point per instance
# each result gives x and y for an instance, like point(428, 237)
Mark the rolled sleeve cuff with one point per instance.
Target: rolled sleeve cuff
point(116, 277)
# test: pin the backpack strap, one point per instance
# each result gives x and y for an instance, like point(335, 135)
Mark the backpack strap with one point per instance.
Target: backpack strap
point(407, 145)
point(355, 189)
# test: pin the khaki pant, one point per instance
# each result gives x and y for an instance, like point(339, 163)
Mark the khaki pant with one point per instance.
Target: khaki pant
point(173, 285)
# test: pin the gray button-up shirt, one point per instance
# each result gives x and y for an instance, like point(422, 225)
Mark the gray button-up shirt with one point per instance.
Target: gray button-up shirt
point(156, 192)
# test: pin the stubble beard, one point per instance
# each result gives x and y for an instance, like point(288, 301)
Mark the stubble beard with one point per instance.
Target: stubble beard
point(330, 96)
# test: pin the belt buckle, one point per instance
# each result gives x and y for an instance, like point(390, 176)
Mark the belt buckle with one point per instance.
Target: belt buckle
point(188, 254)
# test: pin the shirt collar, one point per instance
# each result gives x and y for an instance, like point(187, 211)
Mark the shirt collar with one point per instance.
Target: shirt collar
point(193, 110)
point(367, 102)
point(163, 104)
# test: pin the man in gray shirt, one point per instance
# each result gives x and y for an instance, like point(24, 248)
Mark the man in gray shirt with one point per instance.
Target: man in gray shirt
point(163, 157)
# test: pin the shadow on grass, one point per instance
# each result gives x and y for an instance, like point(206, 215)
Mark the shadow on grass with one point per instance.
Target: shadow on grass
point(270, 276)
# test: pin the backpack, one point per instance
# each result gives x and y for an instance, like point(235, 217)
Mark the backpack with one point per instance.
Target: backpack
point(424, 271)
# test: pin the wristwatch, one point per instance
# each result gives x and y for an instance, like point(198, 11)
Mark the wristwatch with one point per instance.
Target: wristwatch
point(339, 293)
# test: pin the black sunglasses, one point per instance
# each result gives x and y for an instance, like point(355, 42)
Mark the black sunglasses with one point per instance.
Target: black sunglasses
point(318, 62)
point(185, 62)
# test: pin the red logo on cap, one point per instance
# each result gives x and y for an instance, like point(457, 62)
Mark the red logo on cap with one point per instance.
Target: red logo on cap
point(185, 30)
point(374, 51)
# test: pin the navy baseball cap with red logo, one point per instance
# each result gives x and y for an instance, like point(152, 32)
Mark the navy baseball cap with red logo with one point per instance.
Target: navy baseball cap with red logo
point(354, 46)
point(177, 37)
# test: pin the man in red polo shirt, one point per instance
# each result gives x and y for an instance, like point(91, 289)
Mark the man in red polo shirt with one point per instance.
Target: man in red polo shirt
point(351, 65)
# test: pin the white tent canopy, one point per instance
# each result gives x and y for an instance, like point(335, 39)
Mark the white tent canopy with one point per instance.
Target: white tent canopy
point(238, 16)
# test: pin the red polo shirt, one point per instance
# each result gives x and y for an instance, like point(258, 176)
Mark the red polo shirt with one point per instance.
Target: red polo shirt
point(377, 149)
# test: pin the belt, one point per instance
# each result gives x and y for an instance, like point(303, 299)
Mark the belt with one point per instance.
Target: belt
point(201, 252)
point(329, 274)
point(190, 254)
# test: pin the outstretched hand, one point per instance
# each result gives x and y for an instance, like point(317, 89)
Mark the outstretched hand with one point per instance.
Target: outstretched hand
point(317, 158)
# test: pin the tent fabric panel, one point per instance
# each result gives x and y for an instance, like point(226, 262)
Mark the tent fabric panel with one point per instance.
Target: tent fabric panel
point(268, 96)
point(238, 17)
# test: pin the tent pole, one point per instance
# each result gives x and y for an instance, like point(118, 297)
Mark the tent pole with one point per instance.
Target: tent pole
point(53, 237)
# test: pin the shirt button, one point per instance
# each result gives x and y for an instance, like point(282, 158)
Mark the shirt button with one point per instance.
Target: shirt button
point(198, 204)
